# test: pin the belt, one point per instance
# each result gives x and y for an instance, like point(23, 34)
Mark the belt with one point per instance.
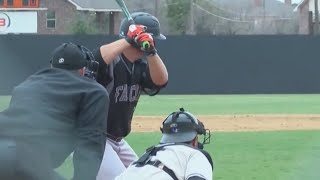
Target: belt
point(114, 138)
point(159, 165)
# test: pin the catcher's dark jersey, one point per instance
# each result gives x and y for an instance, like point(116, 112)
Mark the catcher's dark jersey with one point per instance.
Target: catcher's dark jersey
point(57, 112)
point(124, 81)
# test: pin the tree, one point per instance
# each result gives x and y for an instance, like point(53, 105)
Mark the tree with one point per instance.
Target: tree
point(83, 23)
point(178, 12)
point(208, 17)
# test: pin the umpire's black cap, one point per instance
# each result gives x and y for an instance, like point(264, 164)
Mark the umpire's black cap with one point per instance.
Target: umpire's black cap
point(68, 56)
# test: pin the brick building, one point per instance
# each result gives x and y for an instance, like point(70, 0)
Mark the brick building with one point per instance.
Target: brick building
point(58, 16)
point(306, 9)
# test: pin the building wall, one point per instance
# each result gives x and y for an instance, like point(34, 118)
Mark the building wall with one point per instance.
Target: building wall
point(304, 27)
point(64, 12)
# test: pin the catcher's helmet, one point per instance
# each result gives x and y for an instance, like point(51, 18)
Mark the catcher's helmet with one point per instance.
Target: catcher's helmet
point(182, 126)
point(146, 19)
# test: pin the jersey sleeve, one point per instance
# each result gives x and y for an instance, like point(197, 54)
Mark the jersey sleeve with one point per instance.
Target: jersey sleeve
point(91, 128)
point(198, 165)
point(147, 84)
point(103, 76)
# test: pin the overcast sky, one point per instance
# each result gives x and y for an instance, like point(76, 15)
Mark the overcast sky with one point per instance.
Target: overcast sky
point(293, 1)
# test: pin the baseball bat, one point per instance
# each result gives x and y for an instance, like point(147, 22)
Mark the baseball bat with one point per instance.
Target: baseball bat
point(126, 12)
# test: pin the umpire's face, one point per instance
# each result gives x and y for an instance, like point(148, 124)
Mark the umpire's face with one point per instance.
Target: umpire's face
point(82, 71)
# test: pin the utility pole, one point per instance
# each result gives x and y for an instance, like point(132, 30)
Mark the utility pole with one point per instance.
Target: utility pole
point(191, 18)
point(316, 14)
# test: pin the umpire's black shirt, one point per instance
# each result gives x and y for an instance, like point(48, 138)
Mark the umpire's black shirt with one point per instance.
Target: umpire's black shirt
point(57, 112)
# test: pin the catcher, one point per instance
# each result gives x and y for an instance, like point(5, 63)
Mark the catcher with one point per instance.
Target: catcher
point(179, 154)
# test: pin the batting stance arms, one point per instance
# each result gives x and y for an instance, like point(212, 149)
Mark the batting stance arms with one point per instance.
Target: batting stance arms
point(53, 113)
point(158, 71)
point(178, 156)
point(125, 71)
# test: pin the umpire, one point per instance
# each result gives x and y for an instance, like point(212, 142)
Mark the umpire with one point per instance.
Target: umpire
point(52, 113)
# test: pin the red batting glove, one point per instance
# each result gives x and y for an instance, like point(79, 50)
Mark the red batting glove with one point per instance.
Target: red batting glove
point(133, 31)
point(146, 37)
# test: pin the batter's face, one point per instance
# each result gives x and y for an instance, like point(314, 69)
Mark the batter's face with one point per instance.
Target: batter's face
point(138, 52)
point(133, 54)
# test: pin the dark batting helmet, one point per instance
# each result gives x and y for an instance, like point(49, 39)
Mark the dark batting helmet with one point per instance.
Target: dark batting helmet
point(146, 19)
point(182, 126)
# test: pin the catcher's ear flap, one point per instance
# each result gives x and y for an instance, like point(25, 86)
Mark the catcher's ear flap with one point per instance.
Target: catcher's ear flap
point(161, 129)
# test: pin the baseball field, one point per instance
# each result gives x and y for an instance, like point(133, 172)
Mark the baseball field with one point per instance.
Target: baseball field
point(254, 137)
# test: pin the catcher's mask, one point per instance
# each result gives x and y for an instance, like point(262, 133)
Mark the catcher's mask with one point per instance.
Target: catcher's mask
point(182, 126)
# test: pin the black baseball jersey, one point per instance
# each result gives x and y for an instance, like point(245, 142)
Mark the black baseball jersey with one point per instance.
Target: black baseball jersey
point(124, 81)
point(56, 112)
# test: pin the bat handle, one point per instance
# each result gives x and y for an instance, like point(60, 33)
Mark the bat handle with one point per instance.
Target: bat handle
point(130, 21)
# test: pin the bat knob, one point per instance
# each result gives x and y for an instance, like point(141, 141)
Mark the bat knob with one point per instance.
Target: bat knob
point(146, 45)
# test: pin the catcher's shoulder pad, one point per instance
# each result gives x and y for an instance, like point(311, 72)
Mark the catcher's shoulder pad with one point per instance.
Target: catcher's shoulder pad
point(151, 151)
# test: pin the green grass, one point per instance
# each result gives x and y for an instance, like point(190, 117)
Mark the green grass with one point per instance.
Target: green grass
point(290, 155)
point(230, 104)
point(224, 104)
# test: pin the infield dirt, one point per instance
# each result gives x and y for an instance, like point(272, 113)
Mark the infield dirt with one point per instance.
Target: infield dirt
point(230, 123)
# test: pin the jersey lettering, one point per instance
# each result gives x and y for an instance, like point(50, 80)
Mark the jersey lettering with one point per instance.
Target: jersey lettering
point(124, 93)
point(118, 91)
point(134, 93)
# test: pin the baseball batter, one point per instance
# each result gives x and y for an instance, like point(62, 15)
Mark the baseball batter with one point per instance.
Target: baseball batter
point(125, 71)
point(178, 156)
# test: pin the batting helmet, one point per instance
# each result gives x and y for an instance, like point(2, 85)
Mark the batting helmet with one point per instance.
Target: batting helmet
point(146, 19)
point(182, 126)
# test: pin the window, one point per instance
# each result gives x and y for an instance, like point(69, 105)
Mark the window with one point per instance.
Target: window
point(25, 2)
point(10, 2)
point(51, 19)
point(33, 2)
point(19, 3)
